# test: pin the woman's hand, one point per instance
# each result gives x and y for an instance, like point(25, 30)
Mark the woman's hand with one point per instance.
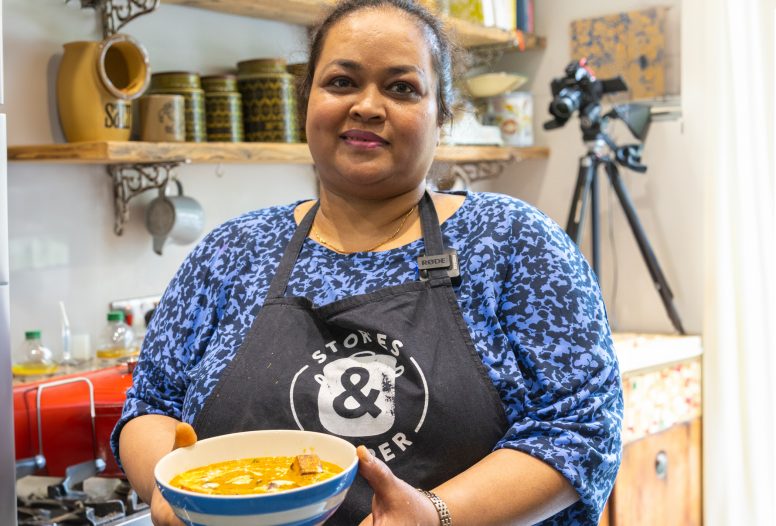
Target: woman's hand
point(395, 503)
point(161, 511)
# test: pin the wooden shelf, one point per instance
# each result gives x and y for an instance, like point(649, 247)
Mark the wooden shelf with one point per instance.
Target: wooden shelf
point(116, 152)
point(308, 12)
point(474, 154)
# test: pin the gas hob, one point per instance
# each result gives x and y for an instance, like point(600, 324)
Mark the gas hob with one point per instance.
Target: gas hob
point(98, 501)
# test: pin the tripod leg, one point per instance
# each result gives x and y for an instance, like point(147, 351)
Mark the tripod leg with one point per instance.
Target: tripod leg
point(646, 250)
point(587, 166)
point(594, 238)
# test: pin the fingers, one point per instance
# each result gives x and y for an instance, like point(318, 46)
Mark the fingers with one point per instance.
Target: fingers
point(161, 511)
point(376, 473)
point(395, 501)
point(184, 435)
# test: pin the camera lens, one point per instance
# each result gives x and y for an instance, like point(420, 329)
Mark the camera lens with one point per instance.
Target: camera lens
point(566, 103)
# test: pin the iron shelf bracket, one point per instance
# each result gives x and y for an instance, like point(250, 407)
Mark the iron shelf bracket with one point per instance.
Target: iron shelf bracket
point(487, 56)
point(469, 173)
point(116, 14)
point(130, 180)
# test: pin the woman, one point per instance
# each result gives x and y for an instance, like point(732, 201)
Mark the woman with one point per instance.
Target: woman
point(502, 392)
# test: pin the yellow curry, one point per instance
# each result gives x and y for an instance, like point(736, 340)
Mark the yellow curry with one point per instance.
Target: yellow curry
point(256, 475)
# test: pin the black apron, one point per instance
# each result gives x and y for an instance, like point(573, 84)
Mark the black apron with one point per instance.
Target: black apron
point(394, 370)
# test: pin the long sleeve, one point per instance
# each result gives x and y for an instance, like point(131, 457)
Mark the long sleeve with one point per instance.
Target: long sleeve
point(177, 337)
point(568, 408)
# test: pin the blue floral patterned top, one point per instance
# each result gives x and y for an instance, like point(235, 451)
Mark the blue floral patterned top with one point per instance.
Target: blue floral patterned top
point(529, 298)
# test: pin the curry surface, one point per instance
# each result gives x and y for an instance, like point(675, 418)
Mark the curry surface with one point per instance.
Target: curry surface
point(250, 476)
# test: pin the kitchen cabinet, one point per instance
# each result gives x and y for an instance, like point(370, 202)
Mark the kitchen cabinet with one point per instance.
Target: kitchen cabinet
point(659, 482)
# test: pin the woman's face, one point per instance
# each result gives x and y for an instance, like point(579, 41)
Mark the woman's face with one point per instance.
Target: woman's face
point(372, 112)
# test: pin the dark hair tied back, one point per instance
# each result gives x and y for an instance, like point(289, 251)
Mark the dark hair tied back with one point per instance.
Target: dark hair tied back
point(440, 44)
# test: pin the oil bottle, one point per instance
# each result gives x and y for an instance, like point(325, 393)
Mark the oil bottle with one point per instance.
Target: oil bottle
point(117, 340)
point(33, 359)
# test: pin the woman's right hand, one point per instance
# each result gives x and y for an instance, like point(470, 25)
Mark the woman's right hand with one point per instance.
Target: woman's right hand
point(161, 511)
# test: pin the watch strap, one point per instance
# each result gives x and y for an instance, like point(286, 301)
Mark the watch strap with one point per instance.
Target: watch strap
point(441, 507)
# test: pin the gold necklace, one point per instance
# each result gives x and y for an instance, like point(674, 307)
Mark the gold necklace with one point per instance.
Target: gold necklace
point(322, 241)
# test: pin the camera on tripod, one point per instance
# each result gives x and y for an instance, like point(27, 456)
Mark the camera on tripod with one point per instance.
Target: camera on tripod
point(579, 90)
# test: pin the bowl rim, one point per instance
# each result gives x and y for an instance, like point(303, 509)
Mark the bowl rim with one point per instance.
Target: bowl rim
point(344, 473)
point(475, 83)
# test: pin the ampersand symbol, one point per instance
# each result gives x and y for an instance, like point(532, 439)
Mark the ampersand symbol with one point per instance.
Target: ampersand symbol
point(366, 403)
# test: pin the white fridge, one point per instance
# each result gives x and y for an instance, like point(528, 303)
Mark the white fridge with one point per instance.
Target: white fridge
point(7, 457)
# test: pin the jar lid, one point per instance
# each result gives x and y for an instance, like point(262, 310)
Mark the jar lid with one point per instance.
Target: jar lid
point(298, 70)
point(219, 83)
point(261, 65)
point(185, 92)
point(116, 315)
point(175, 80)
point(32, 335)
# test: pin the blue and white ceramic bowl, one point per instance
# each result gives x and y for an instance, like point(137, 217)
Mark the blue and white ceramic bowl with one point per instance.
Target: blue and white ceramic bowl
point(298, 507)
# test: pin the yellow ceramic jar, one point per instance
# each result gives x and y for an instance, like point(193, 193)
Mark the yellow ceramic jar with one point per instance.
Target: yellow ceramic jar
point(95, 86)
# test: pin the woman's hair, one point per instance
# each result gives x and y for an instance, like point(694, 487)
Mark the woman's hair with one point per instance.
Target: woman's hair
point(441, 46)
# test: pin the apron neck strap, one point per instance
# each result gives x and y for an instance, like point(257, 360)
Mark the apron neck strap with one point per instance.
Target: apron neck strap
point(429, 224)
point(277, 288)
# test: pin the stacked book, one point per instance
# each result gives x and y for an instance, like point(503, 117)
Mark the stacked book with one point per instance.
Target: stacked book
point(503, 14)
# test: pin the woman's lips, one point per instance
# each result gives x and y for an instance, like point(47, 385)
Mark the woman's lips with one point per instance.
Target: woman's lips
point(363, 139)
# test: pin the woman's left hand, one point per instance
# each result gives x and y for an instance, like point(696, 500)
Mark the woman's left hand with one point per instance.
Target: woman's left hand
point(395, 503)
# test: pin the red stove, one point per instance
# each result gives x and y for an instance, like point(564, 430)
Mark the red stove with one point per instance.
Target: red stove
point(65, 470)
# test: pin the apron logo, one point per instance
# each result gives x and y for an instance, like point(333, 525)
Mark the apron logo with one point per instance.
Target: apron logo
point(360, 408)
point(366, 404)
point(353, 380)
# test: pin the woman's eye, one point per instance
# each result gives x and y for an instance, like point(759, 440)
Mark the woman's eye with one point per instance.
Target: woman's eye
point(403, 88)
point(340, 82)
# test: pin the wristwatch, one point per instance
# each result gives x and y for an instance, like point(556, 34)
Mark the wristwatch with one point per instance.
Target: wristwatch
point(441, 507)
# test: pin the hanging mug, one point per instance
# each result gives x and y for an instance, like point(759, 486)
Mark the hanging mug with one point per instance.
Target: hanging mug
point(96, 83)
point(178, 219)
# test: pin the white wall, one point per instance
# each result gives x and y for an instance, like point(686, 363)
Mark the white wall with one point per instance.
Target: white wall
point(667, 197)
point(61, 216)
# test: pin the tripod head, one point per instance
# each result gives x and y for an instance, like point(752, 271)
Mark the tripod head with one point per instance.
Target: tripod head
point(630, 157)
point(580, 90)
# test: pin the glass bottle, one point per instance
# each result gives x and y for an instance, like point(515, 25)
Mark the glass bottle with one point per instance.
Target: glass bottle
point(117, 340)
point(33, 359)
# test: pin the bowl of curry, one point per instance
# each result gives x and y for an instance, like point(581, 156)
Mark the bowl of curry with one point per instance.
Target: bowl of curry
point(269, 477)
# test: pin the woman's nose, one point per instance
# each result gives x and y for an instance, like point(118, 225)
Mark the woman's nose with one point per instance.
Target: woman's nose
point(368, 105)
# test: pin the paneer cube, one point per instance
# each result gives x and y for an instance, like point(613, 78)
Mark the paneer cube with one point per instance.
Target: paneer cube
point(307, 464)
